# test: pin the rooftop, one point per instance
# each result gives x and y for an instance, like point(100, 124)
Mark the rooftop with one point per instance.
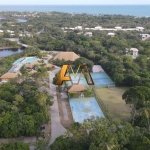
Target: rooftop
point(31, 65)
point(9, 75)
point(77, 88)
point(67, 56)
point(134, 49)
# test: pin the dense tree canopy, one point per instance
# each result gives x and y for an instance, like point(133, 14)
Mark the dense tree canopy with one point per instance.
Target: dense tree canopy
point(23, 109)
point(100, 134)
point(14, 146)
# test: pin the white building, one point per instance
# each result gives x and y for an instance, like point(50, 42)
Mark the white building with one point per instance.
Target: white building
point(71, 28)
point(87, 28)
point(145, 36)
point(78, 28)
point(111, 34)
point(29, 35)
point(10, 31)
point(118, 28)
point(12, 34)
point(21, 35)
point(98, 28)
point(135, 52)
point(1, 31)
point(129, 29)
point(139, 28)
point(109, 29)
point(66, 28)
point(88, 34)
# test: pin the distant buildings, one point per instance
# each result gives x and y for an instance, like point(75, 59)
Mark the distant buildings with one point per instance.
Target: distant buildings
point(111, 34)
point(145, 36)
point(9, 31)
point(90, 34)
point(23, 35)
point(134, 52)
point(140, 28)
point(78, 28)
point(118, 28)
point(1, 31)
point(12, 35)
point(100, 28)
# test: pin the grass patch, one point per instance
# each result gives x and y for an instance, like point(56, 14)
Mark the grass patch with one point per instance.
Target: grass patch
point(111, 98)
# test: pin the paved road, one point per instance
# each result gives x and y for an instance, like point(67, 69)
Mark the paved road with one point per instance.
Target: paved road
point(56, 128)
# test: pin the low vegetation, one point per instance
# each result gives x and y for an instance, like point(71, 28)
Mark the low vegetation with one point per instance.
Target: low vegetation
point(112, 100)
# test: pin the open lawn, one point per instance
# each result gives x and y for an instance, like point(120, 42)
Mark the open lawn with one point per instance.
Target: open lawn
point(112, 99)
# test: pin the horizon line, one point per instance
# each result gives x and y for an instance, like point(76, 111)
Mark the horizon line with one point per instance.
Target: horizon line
point(67, 4)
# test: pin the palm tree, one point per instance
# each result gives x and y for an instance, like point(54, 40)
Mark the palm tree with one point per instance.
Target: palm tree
point(146, 112)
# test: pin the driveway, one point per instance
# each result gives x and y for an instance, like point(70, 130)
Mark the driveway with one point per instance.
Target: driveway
point(56, 128)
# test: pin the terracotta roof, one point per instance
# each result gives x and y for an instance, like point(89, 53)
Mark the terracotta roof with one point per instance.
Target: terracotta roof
point(66, 56)
point(48, 65)
point(9, 75)
point(32, 72)
point(77, 88)
point(31, 65)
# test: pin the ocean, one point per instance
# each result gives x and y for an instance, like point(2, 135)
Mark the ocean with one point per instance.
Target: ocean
point(132, 10)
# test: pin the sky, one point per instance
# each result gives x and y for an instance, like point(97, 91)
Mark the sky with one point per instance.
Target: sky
point(72, 2)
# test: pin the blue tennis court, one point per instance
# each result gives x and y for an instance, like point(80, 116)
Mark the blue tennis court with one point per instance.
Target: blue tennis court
point(101, 79)
point(85, 108)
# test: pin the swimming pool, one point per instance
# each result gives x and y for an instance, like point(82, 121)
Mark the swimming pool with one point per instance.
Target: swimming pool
point(29, 60)
point(18, 61)
point(85, 108)
point(101, 79)
point(25, 60)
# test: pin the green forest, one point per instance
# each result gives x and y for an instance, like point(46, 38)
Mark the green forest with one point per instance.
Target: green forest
point(23, 109)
